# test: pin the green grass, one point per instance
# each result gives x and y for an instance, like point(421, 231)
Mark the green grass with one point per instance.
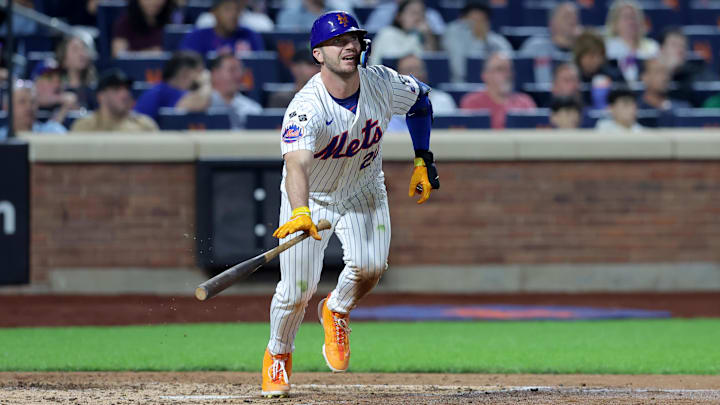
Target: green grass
point(675, 346)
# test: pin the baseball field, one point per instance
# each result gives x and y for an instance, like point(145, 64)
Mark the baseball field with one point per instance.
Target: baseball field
point(177, 351)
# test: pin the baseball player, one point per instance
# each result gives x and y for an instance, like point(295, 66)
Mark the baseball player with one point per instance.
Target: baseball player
point(331, 143)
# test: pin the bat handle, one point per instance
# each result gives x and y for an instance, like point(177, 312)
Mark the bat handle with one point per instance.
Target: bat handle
point(201, 293)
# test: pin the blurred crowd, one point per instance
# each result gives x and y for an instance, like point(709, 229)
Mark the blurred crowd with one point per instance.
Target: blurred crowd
point(613, 71)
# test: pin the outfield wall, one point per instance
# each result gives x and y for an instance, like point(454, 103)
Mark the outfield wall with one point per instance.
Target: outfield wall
point(517, 211)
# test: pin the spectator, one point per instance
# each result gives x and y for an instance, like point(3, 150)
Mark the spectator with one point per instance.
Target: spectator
point(114, 112)
point(674, 55)
point(258, 22)
point(142, 26)
point(470, 35)
point(590, 58)
point(185, 85)
point(383, 13)
point(442, 102)
point(565, 113)
point(409, 33)
point(656, 79)
point(626, 41)
point(301, 18)
point(302, 67)
point(225, 36)
point(566, 82)
point(51, 101)
point(78, 70)
point(24, 109)
point(595, 71)
point(623, 113)
point(564, 28)
point(226, 79)
point(498, 96)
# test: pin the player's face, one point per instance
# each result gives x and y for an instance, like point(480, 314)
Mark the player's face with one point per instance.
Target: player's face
point(341, 54)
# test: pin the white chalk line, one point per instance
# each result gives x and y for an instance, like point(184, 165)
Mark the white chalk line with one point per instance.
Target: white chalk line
point(398, 387)
point(204, 397)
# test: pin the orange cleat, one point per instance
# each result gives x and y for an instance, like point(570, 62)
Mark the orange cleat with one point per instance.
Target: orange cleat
point(276, 372)
point(336, 349)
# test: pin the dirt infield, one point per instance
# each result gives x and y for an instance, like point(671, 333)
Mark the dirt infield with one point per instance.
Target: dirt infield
point(65, 310)
point(326, 388)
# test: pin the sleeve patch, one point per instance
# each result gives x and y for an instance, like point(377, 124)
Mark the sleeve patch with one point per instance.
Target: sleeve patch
point(409, 82)
point(291, 133)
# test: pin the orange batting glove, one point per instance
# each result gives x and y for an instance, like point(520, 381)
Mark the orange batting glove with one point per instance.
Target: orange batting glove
point(299, 221)
point(419, 182)
point(424, 177)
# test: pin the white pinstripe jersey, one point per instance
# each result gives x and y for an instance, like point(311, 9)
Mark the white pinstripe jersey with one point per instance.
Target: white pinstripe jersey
point(346, 145)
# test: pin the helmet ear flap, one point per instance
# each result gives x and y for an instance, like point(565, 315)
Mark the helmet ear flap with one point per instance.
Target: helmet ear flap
point(364, 44)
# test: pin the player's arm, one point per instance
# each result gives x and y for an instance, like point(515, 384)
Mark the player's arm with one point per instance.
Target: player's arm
point(297, 166)
point(419, 121)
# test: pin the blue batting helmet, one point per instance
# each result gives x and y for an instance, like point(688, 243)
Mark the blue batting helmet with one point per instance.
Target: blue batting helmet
point(331, 25)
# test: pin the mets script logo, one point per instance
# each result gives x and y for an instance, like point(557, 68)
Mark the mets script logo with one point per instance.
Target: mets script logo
point(291, 133)
point(339, 147)
point(342, 18)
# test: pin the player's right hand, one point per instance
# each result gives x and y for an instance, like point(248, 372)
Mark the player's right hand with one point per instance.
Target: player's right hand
point(299, 221)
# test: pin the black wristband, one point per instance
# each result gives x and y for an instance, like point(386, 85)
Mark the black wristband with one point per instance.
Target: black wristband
point(426, 155)
point(429, 160)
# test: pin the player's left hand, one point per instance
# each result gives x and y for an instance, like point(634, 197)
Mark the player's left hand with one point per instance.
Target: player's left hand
point(424, 177)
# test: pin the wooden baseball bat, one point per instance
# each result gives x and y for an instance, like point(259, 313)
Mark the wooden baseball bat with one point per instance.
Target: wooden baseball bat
point(240, 271)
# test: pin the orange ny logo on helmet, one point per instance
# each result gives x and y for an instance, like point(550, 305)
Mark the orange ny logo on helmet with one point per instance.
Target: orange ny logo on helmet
point(342, 18)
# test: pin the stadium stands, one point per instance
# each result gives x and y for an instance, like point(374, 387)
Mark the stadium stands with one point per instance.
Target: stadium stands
point(142, 68)
point(174, 33)
point(266, 72)
point(462, 120)
point(539, 118)
point(176, 120)
point(437, 65)
point(697, 118)
point(271, 118)
point(107, 12)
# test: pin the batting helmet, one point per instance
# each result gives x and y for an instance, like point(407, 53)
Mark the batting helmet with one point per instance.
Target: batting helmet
point(333, 24)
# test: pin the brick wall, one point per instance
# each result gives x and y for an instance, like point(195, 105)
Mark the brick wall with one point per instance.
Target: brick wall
point(111, 215)
point(560, 212)
point(142, 215)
